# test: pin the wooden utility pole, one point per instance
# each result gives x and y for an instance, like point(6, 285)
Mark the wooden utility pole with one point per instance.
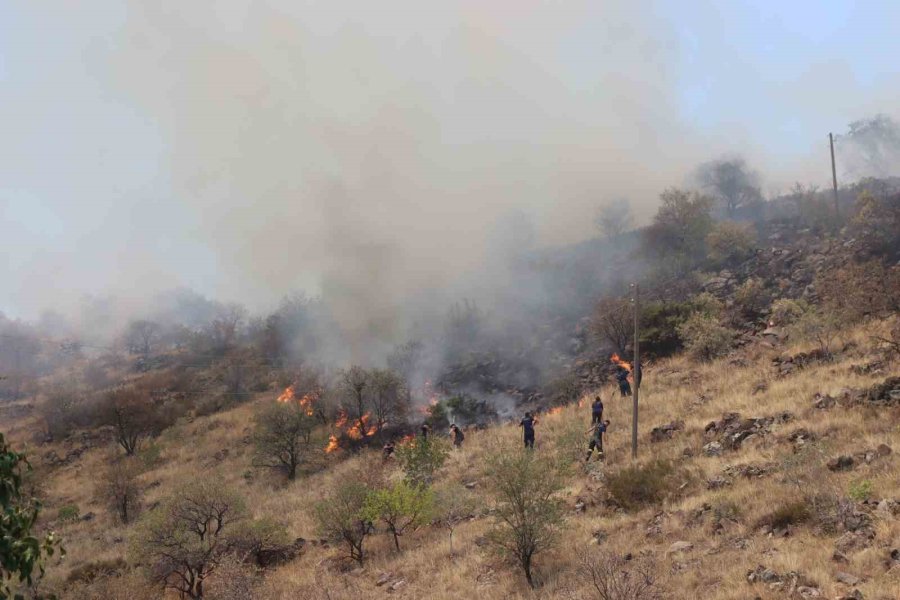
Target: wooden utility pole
point(634, 373)
point(837, 208)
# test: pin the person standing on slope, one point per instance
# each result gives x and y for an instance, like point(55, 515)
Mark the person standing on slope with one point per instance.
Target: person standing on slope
point(527, 424)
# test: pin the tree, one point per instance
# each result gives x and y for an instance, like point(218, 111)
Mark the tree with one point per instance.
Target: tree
point(130, 411)
point(421, 458)
point(613, 322)
point(120, 489)
point(614, 218)
point(282, 435)
point(340, 516)
point(453, 504)
point(355, 384)
point(527, 512)
point(400, 507)
point(388, 397)
point(140, 336)
point(182, 540)
point(730, 243)
point(732, 183)
point(876, 224)
point(704, 337)
point(871, 146)
point(21, 551)
point(679, 229)
point(225, 327)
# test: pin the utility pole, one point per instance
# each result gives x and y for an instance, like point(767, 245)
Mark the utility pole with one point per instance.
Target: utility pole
point(837, 208)
point(634, 373)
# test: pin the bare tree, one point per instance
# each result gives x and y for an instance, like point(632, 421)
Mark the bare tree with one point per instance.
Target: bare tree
point(130, 411)
point(388, 397)
point(613, 322)
point(613, 578)
point(120, 489)
point(283, 436)
point(614, 218)
point(732, 183)
point(356, 386)
point(140, 336)
point(225, 327)
point(341, 517)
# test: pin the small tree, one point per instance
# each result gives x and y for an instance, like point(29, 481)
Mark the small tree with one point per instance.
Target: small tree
point(730, 243)
point(453, 504)
point(421, 458)
point(182, 541)
point(21, 552)
point(613, 322)
point(130, 411)
point(400, 507)
point(527, 513)
point(355, 383)
point(612, 577)
point(389, 397)
point(704, 337)
point(141, 335)
point(341, 516)
point(678, 233)
point(283, 435)
point(614, 218)
point(120, 489)
point(732, 183)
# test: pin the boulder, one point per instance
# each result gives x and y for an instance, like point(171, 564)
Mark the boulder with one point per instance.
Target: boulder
point(847, 578)
point(840, 463)
point(679, 547)
point(713, 449)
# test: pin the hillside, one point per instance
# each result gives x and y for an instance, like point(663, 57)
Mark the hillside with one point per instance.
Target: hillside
point(713, 528)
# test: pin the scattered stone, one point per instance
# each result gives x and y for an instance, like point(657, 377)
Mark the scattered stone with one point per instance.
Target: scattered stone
point(665, 432)
point(471, 485)
point(840, 463)
point(716, 483)
point(679, 547)
point(839, 557)
point(854, 595)
point(806, 591)
point(853, 541)
point(713, 449)
point(847, 578)
point(883, 450)
point(823, 401)
point(383, 579)
point(579, 506)
point(88, 516)
point(397, 585)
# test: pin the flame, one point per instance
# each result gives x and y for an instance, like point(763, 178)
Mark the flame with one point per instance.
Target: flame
point(616, 360)
point(287, 395)
point(407, 440)
point(361, 428)
point(555, 410)
point(306, 403)
point(332, 444)
point(582, 402)
point(341, 420)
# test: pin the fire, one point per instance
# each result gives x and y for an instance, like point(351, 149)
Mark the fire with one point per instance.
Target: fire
point(582, 402)
point(287, 395)
point(341, 420)
point(361, 428)
point(616, 360)
point(407, 439)
point(332, 444)
point(555, 410)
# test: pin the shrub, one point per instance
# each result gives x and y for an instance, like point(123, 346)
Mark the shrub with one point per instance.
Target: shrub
point(705, 338)
point(283, 436)
point(527, 512)
point(792, 513)
point(612, 577)
point(750, 299)
point(421, 458)
point(876, 223)
point(120, 490)
point(860, 490)
point(856, 291)
point(730, 243)
point(68, 513)
point(786, 312)
point(133, 415)
point(400, 507)
point(453, 503)
point(340, 516)
point(95, 569)
point(679, 229)
point(465, 409)
point(639, 485)
point(818, 325)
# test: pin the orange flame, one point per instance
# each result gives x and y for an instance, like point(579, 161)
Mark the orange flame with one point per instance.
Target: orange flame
point(616, 360)
point(582, 402)
point(341, 420)
point(287, 395)
point(555, 410)
point(332, 444)
point(361, 428)
point(407, 439)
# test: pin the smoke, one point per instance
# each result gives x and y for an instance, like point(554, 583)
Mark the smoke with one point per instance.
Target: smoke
point(391, 158)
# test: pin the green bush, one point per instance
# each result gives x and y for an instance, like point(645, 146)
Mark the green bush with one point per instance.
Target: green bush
point(400, 507)
point(786, 312)
point(730, 243)
point(750, 299)
point(860, 490)
point(705, 338)
point(420, 459)
point(640, 485)
point(68, 513)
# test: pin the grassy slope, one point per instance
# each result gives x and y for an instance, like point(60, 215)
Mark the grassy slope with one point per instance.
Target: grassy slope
point(676, 389)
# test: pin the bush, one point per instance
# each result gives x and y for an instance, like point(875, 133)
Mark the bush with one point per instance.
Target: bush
point(704, 338)
point(612, 577)
point(340, 516)
point(786, 312)
point(750, 299)
point(95, 569)
point(860, 490)
point(786, 515)
point(283, 436)
point(876, 223)
point(639, 485)
point(730, 243)
point(818, 325)
point(400, 507)
point(527, 512)
point(68, 513)
point(465, 410)
point(678, 233)
point(420, 459)
point(120, 490)
point(856, 291)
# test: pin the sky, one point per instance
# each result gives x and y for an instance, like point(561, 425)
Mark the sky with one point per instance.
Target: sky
point(368, 151)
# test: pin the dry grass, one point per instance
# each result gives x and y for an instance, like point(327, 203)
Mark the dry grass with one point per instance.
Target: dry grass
point(725, 546)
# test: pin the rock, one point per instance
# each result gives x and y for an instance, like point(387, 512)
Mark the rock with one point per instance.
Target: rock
point(854, 595)
point(397, 585)
point(823, 401)
point(679, 547)
point(471, 485)
point(853, 541)
point(665, 432)
point(883, 450)
point(806, 591)
point(847, 578)
point(383, 579)
point(713, 449)
point(717, 482)
point(579, 506)
point(841, 463)
point(88, 516)
point(839, 557)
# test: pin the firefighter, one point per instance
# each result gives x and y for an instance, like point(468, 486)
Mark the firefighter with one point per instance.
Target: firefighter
point(457, 435)
point(527, 424)
point(387, 452)
point(424, 431)
point(622, 378)
point(596, 443)
point(596, 410)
